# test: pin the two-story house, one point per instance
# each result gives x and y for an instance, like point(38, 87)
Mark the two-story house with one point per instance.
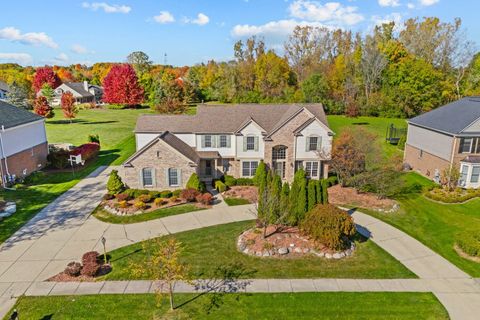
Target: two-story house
point(445, 137)
point(83, 92)
point(229, 139)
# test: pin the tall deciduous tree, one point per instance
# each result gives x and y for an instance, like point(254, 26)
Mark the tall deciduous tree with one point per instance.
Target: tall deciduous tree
point(42, 108)
point(372, 65)
point(68, 106)
point(45, 75)
point(140, 61)
point(121, 86)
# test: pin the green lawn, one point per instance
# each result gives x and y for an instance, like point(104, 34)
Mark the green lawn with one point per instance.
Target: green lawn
point(104, 216)
point(378, 126)
point(325, 305)
point(236, 201)
point(209, 248)
point(435, 224)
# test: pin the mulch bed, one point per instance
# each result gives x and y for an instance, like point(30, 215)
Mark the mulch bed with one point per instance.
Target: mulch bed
point(249, 193)
point(63, 277)
point(350, 196)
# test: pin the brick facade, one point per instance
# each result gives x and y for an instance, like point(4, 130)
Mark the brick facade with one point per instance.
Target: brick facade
point(167, 158)
point(31, 160)
point(424, 162)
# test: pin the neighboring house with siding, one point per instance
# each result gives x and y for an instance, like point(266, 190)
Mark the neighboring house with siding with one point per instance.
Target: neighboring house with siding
point(445, 137)
point(23, 142)
point(83, 92)
point(229, 140)
point(4, 89)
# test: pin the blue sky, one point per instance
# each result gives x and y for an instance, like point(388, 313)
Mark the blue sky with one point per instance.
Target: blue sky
point(188, 31)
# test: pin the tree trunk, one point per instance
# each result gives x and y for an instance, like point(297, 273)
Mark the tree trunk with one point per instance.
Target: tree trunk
point(170, 291)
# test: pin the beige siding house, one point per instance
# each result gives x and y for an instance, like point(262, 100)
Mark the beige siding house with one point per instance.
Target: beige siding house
point(445, 137)
point(229, 139)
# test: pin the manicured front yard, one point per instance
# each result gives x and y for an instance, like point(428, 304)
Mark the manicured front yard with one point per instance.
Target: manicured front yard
point(104, 216)
point(331, 305)
point(207, 249)
point(436, 224)
point(236, 201)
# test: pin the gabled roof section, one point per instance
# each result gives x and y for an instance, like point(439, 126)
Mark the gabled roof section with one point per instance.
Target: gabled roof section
point(79, 88)
point(246, 123)
point(12, 116)
point(451, 118)
point(307, 123)
point(227, 118)
point(173, 142)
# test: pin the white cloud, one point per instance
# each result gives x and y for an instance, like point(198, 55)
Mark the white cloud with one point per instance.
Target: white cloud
point(330, 12)
point(392, 17)
point(164, 17)
point(410, 5)
point(62, 57)
point(201, 19)
point(427, 3)
point(22, 58)
point(108, 8)
point(79, 49)
point(389, 3)
point(30, 38)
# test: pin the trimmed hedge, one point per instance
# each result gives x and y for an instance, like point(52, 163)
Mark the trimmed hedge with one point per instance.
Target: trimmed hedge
point(469, 242)
point(195, 183)
point(244, 182)
point(230, 181)
point(456, 196)
point(220, 186)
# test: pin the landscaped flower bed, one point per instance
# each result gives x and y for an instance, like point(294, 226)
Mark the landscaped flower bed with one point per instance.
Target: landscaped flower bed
point(458, 195)
point(249, 193)
point(339, 195)
point(93, 265)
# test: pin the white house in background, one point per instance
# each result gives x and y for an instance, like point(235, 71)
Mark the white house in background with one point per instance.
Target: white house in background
point(4, 89)
point(82, 91)
point(23, 142)
point(229, 140)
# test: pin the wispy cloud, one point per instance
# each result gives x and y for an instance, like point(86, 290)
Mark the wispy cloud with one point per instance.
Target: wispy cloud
point(428, 3)
point(29, 38)
point(79, 49)
point(164, 17)
point(389, 3)
point(107, 8)
point(22, 58)
point(330, 12)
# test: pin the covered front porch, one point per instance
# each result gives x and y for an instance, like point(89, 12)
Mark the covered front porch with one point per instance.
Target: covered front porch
point(210, 165)
point(470, 172)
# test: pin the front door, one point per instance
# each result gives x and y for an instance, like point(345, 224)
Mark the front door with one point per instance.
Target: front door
point(208, 168)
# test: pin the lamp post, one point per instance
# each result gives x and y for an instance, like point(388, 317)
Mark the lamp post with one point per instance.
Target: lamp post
point(104, 250)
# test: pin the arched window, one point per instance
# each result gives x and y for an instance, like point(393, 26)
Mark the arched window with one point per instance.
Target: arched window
point(279, 157)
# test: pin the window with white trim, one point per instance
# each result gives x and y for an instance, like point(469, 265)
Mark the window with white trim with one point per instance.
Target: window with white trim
point(313, 143)
point(311, 168)
point(147, 177)
point(463, 175)
point(475, 174)
point(173, 179)
point(249, 168)
point(223, 141)
point(250, 143)
point(207, 142)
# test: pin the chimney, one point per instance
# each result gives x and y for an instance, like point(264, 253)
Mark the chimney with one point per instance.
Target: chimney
point(85, 85)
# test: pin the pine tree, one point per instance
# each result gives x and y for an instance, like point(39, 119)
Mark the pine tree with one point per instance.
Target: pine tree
point(318, 191)
point(302, 200)
point(297, 198)
point(18, 96)
point(275, 190)
point(325, 191)
point(312, 194)
point(260, 174)
point(115, 184)
point(284, 197)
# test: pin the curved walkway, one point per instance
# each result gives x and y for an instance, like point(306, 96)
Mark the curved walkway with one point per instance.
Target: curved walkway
point(64, 230)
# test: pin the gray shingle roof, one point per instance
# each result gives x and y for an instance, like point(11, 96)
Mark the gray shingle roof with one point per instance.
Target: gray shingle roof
point(226, 118)
point(452, 118)
point(78, 87)
point(11, 116)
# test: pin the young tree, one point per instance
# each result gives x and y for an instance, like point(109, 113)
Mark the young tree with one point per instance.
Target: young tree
point(450, 177)
point(45, 75)
point(42, 108)
point(115, 184)
point(297, 198)
point(312, 194)
point(121, 86)
point(68, 106)
point(48, 92)
point(372, 65)
point(163, 263)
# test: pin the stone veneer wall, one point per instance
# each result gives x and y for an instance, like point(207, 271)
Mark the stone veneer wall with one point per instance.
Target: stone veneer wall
point(169, 158)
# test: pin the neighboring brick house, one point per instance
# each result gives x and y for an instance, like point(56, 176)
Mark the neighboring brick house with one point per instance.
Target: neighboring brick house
point(23, 142)
point(447, 136)
point(229, 139)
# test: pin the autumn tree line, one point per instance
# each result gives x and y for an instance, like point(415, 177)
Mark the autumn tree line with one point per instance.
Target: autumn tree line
point(395, 71)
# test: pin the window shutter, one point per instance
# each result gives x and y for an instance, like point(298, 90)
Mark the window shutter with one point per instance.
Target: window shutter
point(203, 140)
point(307, 144)
point(229, 141)
point(216, 143)
point(167, 182)
point(179, 177)
point(154, 177)
point(319, 143)
point(244, 143)
point(140, 178)
point(256, 143)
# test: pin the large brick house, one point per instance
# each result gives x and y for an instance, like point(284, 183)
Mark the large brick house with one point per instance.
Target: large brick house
point(228, 139)
point(445, 137)
point(23, 142)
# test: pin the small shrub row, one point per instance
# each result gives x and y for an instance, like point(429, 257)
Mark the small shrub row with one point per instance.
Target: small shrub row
point(137, 193)
point(455, 196)
point(190, 194)
point(88, 150)
point(469, 242)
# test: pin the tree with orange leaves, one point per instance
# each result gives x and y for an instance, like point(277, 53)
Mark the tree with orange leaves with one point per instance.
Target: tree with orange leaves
point(68, 106)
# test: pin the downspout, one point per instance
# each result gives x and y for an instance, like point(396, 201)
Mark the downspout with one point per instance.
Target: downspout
point(3, 154)
point(453, 152)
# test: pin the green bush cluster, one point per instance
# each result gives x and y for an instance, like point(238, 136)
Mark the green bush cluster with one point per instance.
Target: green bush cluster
point(95, 138)
point(455, 196)
point(469, 242)
point(244, 182)
point(195, 183)
point(137, 193)
point(220, 186)
point(230, 181)
point(329, 226)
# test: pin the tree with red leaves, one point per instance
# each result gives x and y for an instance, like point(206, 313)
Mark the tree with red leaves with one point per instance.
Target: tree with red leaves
point(68, 106)
point(45, 75)
point(42, 108)
point(121, 86)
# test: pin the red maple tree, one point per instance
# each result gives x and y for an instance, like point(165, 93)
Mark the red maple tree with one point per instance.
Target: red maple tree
point(68, 106)
point(121, 86)
point(42, 108)
point(45, 75)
